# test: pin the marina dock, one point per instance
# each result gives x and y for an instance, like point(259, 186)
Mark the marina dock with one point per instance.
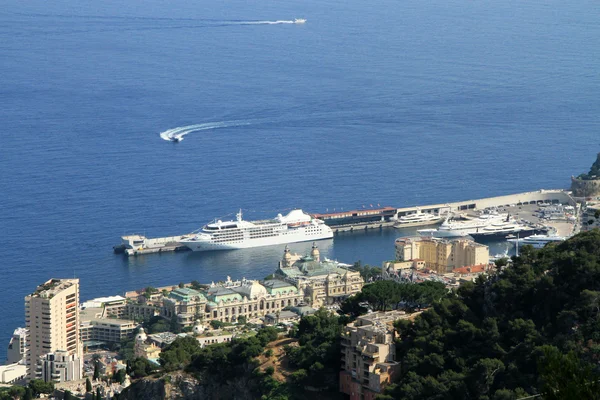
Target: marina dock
point(376, 218)
point(386, 217)
point(133, 245)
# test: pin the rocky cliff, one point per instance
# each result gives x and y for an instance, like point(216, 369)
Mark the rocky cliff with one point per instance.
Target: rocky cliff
point(182, 386)
point(585, 187)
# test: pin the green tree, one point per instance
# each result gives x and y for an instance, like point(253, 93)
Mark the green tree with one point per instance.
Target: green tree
point(38, 387)
point(179, 354)
point(181, 285)
point(68, 395)
point(96, 375)
point(98, 394)
point(28, 395)
point(196, 285)
point(141, 367)
point(567, 377)
point(120, 376)
point(88, 385)
point(174, 325)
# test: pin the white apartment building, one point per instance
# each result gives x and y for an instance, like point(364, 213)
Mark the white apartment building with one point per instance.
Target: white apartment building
point(16, 346)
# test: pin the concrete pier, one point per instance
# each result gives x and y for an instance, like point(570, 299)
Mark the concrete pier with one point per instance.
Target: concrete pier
point(380, 218)
point(133, 245)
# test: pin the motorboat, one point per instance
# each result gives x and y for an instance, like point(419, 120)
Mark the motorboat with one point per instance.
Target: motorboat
point(299, 21)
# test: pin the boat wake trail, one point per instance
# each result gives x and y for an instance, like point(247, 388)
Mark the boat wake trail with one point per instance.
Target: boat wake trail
point(177, 134)
point(278, 22)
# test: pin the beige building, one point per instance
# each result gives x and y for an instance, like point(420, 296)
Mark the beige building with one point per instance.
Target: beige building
point(323, 282)
point(52, 320)
point(368, 355)
point(441, 255)
point(111, 307)
point(143, 349)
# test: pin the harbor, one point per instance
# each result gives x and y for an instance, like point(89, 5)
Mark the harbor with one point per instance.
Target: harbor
point(526, 207)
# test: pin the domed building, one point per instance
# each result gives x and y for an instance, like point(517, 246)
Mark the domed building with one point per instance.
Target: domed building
point(141, 349)
point(324, 282)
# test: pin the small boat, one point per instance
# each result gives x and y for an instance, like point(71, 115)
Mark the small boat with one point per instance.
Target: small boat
point(299, 21)
point(176, 139)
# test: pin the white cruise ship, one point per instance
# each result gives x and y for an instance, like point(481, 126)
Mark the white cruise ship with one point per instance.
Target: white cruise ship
point(294, 227)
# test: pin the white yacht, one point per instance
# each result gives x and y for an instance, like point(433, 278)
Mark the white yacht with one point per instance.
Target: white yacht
point(294, 227)
point(538, 241)
point(417, 219)
point(463, 228)
point(299, 21)
point(500, 229)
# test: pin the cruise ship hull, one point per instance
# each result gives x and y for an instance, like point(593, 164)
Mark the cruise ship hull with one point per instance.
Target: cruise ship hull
point(283, 238)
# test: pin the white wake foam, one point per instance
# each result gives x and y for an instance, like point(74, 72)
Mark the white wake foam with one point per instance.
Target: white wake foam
point(278, 22)
point(179, 132)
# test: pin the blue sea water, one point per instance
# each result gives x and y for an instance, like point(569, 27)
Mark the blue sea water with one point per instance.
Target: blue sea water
point(390, 102)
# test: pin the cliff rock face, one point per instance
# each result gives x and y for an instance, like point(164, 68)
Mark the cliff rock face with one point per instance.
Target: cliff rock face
point(585, 187)
point(182, 386)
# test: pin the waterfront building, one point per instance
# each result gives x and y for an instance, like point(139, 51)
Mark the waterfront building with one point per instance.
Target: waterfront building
point(441, 255)
point(323, 282)
point(52, 322)
point(368, 355)
point(60, 366)
point(16, 346)
point(111, 306)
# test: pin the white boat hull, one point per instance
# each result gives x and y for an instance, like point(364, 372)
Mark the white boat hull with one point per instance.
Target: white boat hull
point(285, 237)
point(401, 225)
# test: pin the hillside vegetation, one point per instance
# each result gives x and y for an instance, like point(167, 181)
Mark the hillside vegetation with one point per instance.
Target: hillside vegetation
point(532, 329)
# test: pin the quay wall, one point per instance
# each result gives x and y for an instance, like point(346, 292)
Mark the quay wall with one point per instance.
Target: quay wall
point(554, 196)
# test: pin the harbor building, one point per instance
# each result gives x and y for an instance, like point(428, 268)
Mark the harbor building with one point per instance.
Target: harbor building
point(323, 282)
point(368, 355)
point(16, 346)
point(52, 323)
point(441, 255)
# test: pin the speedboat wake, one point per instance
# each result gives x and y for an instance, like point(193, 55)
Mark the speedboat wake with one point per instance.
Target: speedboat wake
point(177, 134)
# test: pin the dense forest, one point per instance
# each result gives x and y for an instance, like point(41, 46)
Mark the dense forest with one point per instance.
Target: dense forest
point(533, 328)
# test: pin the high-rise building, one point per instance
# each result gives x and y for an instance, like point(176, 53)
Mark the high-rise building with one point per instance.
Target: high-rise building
point(16, 346)
point(52, 319)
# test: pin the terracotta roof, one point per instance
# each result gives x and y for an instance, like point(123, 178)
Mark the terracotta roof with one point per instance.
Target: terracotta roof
point(472, 269)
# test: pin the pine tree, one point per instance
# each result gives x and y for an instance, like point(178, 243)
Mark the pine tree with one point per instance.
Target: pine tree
point(88, 385)
point(98, 395)
point(96, 371)
point(28, 394)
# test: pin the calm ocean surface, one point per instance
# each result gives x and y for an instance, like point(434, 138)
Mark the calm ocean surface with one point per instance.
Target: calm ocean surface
point(391, 103)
